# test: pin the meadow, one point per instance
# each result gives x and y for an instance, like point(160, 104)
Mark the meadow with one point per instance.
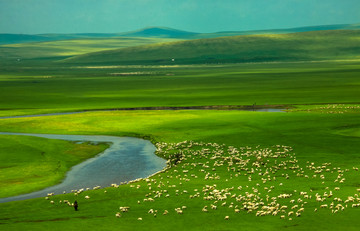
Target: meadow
point(31, 90)
point(321, 138)
point(304, 46)
point(320, 130)
point(227, 169)
point(57, 50)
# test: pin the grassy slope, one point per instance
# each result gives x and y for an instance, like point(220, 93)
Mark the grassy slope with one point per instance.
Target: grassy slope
point(28, 163)
point(60, 89)
point(280, 31)
point(314, 137)
point(318, 45)
point(67, 48)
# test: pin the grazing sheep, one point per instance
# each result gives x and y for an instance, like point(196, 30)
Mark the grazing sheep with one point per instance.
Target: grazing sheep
point(124, 209)
point(179, 211)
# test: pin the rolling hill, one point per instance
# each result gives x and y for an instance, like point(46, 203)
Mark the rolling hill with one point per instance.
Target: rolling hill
point(10, 53)
point(281, 31)
point(304, 46)
point(162, 32)
point(150, 32)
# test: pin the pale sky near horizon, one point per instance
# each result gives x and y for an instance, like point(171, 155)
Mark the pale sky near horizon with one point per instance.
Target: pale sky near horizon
point(111, 16)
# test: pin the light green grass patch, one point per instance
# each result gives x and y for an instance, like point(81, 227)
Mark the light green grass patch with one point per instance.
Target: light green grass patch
point(71, 47)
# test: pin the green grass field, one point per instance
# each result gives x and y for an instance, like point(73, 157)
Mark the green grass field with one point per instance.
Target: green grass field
point(55, 50)
point(317, 140)
point(306, 46)
point(261, 170)
point(33, 90)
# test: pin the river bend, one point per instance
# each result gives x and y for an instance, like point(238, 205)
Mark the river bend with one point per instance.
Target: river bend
point(126, 159)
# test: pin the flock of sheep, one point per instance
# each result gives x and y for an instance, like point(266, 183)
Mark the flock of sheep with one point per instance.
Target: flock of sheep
point(259, 181)
point(336, 108)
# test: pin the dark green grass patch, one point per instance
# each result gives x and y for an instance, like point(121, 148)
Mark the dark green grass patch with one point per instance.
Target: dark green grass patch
point(67, 89)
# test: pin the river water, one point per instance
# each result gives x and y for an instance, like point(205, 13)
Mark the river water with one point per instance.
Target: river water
point(126, 159)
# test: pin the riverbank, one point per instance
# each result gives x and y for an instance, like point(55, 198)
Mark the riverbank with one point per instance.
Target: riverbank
point(124, 160)
point(33, 163)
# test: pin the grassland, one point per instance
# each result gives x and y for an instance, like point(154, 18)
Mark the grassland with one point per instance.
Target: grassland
point(38, 90)
point(312, 148)
point(306, 46)
point(317, 140)
point(57, 50)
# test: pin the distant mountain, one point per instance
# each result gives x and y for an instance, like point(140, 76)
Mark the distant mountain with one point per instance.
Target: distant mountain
point(280, 31)
point(303, 46)
point(163, 32)
point(20, 38)
point(23, 38)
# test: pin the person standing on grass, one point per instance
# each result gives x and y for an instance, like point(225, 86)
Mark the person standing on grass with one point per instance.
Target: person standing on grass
point(76, 206)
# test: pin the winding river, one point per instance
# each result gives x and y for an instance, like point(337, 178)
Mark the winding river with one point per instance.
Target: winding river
point(125, 160)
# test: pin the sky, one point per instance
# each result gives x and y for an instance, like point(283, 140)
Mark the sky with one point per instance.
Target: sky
point(112, 16)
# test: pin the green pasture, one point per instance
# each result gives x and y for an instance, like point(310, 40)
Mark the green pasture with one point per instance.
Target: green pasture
point(312, 147)
point(305, 46)
point(42, 51)
point(315, 137)
point(40, 90)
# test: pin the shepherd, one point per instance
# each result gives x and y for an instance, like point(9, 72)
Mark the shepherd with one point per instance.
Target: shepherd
point(76, 206)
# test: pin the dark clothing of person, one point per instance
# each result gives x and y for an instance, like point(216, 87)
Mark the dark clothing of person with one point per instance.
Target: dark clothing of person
point(76, 206)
